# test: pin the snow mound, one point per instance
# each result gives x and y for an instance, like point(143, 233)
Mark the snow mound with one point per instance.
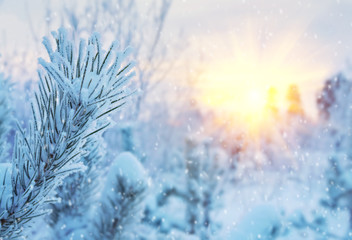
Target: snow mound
point(263, 222)
point(128, 166)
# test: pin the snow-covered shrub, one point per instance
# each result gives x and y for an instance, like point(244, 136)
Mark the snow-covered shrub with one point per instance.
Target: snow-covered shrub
point(125, 187)
point(77, 92)
point(317, 224)
point(339, 182)
point(334, 104)
point(339, 188)
point(334, 98)
point(193, 168)
point(187, 197)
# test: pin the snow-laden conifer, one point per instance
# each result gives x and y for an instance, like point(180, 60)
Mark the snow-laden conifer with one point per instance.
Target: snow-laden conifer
point(121, 199)
point(76, 192)
point(77, 92)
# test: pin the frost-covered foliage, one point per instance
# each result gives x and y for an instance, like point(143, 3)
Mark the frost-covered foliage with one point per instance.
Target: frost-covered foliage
point(77, 92)
point(186, 199)
point(102, 78)
point(193, 169)
point(125, 188)
point(130, 23)
point(339, 192)
point(334, 103)
point(77, 193)
point(331, 218)
point(339, 182)
point(202, 178)
point(334, 99)
point(5, 115)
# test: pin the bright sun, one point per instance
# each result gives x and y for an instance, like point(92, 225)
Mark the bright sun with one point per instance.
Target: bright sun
point(255, 100)
point(238, 83)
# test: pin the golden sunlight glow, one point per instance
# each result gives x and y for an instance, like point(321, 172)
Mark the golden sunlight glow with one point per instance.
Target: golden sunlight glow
point(254, 77)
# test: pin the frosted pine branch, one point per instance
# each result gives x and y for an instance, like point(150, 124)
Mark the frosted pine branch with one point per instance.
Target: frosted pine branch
point(77, 92)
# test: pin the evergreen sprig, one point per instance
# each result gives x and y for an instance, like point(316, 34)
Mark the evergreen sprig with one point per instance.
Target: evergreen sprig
point(77, 92)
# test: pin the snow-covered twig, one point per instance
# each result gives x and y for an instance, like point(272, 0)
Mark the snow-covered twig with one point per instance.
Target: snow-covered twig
point(77, 92)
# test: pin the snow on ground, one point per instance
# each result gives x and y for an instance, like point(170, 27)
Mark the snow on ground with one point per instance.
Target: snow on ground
point(266, 201)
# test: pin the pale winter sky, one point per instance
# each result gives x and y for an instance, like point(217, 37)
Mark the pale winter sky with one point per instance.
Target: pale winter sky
point(304, 41)
point(245, 45)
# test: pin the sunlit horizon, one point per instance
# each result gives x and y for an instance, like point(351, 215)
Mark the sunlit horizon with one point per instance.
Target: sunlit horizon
point(238, 83)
